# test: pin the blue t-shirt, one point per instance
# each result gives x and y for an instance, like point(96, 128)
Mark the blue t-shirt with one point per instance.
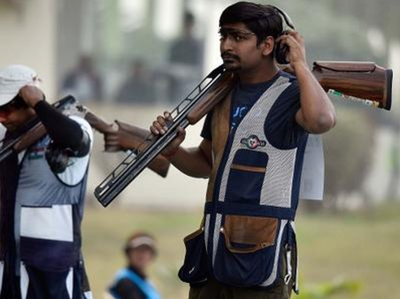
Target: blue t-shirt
point(281, 126)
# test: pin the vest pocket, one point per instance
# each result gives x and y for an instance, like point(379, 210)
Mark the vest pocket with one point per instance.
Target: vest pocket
point(247, 250)
point(194, 268)
point(246, 176)
point(51, 223)
point(47, 237)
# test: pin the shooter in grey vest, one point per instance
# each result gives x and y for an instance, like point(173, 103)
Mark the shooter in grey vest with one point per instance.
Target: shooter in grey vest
point(42, 195)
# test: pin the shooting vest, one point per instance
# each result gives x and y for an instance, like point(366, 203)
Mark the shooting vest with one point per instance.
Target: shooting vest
point(49, 208)
point(251, 200)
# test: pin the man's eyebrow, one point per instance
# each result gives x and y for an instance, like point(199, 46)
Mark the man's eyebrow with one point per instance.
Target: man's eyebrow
point(228, 29)
point(236, 30)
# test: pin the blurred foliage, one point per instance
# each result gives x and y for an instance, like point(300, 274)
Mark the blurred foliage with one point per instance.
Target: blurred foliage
point(338, 20)
point(329, 35)
point(383, 14)
point(349, 147)
point(328, 289)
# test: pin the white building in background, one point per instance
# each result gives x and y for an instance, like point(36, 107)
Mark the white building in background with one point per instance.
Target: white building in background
point(51, 35)
point(48, 35)
point(28, 36)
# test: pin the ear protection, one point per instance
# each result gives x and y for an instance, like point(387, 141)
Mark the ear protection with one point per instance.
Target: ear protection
point(280, 51)
point(57, 158)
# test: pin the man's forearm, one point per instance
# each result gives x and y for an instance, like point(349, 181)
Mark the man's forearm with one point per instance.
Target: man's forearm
point(192, 162)
point(65, 132)
point(317, 114)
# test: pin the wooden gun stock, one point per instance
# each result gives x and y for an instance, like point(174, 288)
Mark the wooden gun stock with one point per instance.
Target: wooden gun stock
point(34, 134)
point(361, 81)
point(212, 97)
point(22, 141)
point(135, 136)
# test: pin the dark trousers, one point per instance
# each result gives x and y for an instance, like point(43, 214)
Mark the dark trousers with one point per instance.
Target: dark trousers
point(216, 290)
point(44, 285)
point(10, 288)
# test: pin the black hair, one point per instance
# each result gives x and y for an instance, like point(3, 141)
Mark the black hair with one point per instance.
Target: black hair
point(188, 18)
point(263, 20)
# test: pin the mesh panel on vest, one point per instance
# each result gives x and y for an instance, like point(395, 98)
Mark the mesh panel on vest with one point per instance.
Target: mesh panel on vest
point(277, 185)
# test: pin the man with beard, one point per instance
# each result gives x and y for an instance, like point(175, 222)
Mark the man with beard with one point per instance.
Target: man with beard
point(42, 195)
point(252, 152)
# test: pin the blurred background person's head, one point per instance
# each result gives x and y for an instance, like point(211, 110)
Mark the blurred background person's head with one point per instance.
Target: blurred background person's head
point(14, 111)
point(140, 250)
point(83, 81)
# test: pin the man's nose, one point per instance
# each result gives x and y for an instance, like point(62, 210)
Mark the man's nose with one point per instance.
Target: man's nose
point(226, 44)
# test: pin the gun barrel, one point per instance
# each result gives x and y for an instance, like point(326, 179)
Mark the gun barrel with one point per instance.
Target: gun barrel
point(132, 166)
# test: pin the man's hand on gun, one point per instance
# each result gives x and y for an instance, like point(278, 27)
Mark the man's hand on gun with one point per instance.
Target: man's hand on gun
point(160, 126)
point(116, 139)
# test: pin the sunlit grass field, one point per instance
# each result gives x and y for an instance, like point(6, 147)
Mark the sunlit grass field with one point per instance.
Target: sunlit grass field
point(362, 247)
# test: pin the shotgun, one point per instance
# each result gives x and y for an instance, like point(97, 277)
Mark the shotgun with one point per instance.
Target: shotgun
point(359, 81)
point(34, 130)
point(135, 137)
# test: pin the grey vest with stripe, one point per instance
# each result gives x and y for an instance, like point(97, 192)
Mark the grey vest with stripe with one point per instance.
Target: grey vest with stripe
point(48, 213)
point(276, 200)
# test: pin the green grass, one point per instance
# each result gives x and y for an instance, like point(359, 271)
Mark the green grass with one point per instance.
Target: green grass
point(362, 247)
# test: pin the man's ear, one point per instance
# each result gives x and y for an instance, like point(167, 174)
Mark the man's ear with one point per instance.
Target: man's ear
point(267, 45)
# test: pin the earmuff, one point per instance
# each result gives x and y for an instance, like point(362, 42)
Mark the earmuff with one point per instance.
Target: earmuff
point(281, 51)
point(57, 158)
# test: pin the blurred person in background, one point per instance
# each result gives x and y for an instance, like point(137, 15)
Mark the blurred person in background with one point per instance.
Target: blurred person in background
point(42, 192)
point(137, 87)
point(252, 152)
point(185, 61)
point(392, 192)
point(132, 281)
point(83, 82)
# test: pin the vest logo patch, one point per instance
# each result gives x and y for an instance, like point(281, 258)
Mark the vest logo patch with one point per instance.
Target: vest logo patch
point(36, 152)
point(253, 142)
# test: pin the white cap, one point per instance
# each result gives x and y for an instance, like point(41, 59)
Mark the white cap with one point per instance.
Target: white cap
point(142, 241)
point(13, 78)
